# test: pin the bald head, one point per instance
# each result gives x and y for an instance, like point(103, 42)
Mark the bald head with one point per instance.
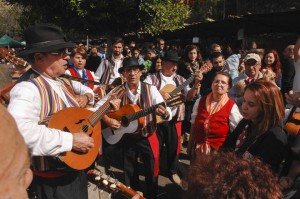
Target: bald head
point(15, 175)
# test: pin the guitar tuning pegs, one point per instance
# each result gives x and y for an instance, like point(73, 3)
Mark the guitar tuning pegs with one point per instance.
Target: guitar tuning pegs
point(97, 178)
point(105, 182)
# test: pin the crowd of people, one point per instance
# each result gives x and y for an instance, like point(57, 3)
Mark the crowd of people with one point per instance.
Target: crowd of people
point(232, 117)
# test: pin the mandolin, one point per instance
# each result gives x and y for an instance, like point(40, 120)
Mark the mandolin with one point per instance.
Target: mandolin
point(12, 58)
point(79, 119)
point(110, 184)
point(173, 90)
point(131, 117)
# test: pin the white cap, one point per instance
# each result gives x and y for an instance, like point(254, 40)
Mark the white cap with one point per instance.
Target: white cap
point(252, 56)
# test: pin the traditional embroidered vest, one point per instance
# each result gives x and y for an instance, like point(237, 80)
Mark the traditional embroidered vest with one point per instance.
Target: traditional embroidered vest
point(218, 124)
point(89, 75)
point(156, 81)
point(144, 101)
point(108, 65)
point(51, 103)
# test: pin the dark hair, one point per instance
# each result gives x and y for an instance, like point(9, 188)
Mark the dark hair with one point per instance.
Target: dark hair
point(117, 40)
point(215, 55)
point(228, 176)
point(153, 65)
point(187, 49)
point(225, 74)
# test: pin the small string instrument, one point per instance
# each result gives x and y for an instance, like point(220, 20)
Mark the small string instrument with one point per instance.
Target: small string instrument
point(75, 120)
point(109, 184)
point(12, 58)
point(293, 122)
point(131, 117)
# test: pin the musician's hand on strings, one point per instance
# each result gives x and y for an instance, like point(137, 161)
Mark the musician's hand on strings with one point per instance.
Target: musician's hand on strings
point(115, 104)
point(112, 123)
point(198, 78)
point(165, 95)
point(162, 111)
point(293, 98)
point(82, 142)
point(138, 195)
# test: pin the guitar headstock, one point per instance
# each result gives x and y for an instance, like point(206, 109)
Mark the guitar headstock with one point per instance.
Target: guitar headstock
point(118, 92)
point(12, 58)
point(204, 68)
point(109, 184)
point(175, 100)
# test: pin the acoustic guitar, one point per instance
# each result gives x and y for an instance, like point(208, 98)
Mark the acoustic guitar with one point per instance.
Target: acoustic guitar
point(131, 117)
point(173, 90)
point(12, 58)
point(79, 119)
point(110, 184)
point(293, 122)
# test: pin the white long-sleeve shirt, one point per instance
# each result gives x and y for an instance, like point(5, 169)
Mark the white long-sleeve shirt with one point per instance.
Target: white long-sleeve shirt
point(155, 97)
point(25, 107)
point(167, 80)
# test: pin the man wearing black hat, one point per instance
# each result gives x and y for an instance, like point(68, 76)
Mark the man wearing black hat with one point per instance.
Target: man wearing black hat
point(39, 94)
point(169, 133)
point(143, 142)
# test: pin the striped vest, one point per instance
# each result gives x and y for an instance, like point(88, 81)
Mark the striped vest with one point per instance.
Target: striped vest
point(156, 81)
point(51, 103)
point(144, 101)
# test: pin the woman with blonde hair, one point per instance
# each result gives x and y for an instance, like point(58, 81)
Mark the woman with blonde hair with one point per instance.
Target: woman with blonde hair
point(260, 133)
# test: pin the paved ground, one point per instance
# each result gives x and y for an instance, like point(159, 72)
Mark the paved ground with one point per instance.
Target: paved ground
point(167, 189)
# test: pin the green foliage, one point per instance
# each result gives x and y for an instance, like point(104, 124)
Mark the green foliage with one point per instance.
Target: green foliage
point(160, 15)
point(202, 10)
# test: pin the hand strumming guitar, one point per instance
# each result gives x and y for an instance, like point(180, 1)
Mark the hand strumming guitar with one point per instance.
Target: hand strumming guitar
point(165, 95)
point(161, 111)
point(113, 123)
point(82, 142)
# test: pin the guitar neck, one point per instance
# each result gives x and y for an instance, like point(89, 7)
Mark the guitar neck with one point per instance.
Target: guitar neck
point(179, 88)
point(143, 113)
point(95, 117)
point(69, 77)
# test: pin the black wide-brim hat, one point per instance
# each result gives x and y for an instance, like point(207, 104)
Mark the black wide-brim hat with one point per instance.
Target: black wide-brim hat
point(44, 38)
point(129, 62)
point(171, 56)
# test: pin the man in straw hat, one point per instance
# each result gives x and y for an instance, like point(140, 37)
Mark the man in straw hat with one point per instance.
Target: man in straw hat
point(15, 174)
point(39, 94)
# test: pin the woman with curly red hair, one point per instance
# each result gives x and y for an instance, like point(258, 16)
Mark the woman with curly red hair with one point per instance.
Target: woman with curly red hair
point(271, 61)
point(228, 176)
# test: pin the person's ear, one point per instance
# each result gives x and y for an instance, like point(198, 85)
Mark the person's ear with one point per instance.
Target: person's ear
point(38, 57)
point(28, 177)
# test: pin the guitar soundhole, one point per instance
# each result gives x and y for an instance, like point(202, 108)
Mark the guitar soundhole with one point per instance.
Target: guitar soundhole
point(85, 128)
point(124, 121)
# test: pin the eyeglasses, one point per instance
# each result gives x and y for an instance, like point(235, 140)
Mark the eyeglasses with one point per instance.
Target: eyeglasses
point(223, 83)
point(162, 44)
point(60, 52)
